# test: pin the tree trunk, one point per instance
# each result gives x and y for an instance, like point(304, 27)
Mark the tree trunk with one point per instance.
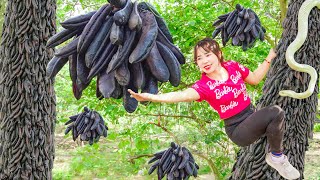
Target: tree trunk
point(27, 110)
point(299, 114)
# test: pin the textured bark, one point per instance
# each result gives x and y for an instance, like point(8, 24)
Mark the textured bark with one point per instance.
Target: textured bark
point(300, 114)
point(27, 108)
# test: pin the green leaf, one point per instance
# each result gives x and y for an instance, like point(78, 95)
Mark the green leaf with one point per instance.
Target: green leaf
point(122, 144)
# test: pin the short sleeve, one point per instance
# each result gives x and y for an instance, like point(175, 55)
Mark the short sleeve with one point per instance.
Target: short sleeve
point(242, 69)
point(201, 91)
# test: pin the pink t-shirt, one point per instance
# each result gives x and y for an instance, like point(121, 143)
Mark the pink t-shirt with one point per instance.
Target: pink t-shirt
point(227, 97)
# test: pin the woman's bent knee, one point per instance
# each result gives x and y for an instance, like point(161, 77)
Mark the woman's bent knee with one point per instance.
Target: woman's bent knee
point(277, 111)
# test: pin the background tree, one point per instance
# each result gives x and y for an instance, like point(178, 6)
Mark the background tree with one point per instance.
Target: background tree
point(2, 9)
point(300, 114)
point(27, 110)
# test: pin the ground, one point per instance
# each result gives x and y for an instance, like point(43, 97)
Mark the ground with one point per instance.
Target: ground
point(65, 146)
point(312, 165)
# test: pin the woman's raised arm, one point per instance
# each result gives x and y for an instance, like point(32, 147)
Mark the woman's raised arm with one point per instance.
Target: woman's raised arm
point(171, 97)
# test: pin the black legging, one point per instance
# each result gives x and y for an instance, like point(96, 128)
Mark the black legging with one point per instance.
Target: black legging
point(249, 125)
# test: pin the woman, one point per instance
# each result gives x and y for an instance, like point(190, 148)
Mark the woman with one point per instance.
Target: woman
point(222, 86)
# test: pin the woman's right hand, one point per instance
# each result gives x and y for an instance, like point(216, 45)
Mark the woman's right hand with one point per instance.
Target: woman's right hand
point(140, 96)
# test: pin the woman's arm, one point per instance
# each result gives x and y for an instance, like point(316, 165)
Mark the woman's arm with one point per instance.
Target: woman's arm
point(171, 97)
point(255, 77)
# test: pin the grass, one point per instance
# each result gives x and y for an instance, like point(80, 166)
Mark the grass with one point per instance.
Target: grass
point(99, 161)
point(316, 127)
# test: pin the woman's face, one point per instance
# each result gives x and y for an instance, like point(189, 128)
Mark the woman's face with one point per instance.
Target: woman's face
point(208, 62)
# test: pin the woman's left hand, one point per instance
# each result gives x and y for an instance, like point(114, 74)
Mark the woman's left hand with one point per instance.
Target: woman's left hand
point(272, 54)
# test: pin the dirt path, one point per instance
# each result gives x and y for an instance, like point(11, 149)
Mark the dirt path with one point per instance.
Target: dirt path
point(312, 159)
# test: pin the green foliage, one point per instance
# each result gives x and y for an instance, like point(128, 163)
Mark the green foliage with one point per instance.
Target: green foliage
point(316, 128)
point(98, 161)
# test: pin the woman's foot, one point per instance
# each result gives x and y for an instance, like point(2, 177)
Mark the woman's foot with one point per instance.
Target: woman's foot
point(283, 166)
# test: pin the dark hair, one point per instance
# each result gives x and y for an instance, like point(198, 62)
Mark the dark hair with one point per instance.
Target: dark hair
point(208, 45)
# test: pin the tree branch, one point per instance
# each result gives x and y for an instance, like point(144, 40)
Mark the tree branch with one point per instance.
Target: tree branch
point(198, 121)
point(173, 116)
point(283, 9)
point(270, 41)
point(166, 130)
point(166, 115)
point(213, 168)
point(131, 159)
point(229, 4)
